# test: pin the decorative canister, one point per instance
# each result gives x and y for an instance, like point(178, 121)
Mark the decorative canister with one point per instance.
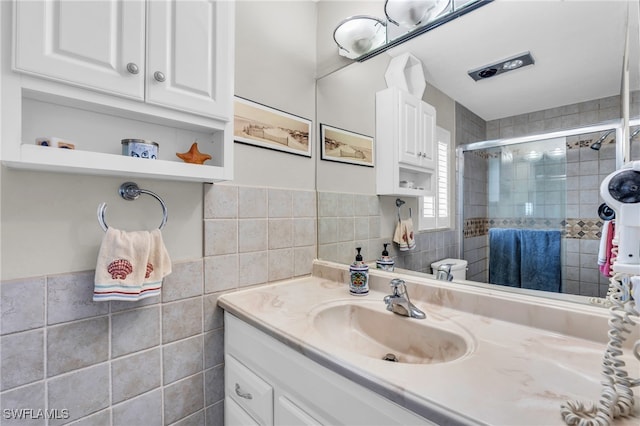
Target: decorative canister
point(359, 276)
point(140, 148)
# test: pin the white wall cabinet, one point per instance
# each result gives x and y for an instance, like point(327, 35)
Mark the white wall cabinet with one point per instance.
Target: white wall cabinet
point(405, 143)
point(416, 130)
point(303, 392)
point(188, 52)
point(101, 45)
point(84, 43)
point(157, 70)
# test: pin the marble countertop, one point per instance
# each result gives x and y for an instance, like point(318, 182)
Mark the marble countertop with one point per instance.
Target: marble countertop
point(527, 357)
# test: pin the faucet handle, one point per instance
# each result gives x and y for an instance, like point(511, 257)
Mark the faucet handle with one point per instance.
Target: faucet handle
point(397, 287)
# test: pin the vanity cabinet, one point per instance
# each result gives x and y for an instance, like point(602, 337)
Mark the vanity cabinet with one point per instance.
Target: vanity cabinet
point(169, 53)
point(268, 383)
point(96, 72)
point(405, 144)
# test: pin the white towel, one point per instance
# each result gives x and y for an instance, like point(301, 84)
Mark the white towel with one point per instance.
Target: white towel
point(131, 265)
point(403, 236)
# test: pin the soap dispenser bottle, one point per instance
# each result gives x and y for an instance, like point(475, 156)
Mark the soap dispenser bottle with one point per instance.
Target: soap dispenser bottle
point(386, 263)
point(359, 276)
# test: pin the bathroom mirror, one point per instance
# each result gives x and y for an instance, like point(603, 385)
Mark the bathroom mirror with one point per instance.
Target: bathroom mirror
point(571, 92)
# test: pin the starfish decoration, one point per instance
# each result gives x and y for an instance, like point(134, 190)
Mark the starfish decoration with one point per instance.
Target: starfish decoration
point(193, 155)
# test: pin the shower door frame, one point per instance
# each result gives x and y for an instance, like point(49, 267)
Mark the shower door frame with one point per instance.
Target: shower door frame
point(623, 153)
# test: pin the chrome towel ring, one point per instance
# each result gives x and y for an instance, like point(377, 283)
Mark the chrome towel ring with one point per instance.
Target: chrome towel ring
point(130, 191)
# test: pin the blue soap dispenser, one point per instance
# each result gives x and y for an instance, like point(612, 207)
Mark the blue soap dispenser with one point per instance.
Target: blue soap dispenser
point(359, 273)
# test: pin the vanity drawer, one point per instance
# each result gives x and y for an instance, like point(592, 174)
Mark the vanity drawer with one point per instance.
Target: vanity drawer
point(248, 390)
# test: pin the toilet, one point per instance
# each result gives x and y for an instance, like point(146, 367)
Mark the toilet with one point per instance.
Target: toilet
point(458, 268)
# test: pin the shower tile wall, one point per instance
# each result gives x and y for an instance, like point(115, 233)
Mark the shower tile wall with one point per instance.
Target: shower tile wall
point(476, 212)
point(471, 128)
point(565, 117)
point(160, 360)
point(585, 170)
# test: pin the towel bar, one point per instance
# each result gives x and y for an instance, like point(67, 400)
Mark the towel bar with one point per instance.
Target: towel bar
point(130, 191)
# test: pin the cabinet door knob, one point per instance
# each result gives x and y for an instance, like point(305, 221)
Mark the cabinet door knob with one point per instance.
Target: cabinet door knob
point(159, 76)
point(132, 68)
point(245, 395)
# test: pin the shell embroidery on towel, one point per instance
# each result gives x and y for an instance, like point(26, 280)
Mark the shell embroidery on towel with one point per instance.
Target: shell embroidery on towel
point(119, 269)
point(149, 270)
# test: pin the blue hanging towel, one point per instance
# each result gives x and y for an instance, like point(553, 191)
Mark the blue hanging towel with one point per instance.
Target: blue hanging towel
point(504, 257)
point(540, 260)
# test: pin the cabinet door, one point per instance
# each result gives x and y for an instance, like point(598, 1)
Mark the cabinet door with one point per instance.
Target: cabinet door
point(85, 43)
point(409, 129)
point(428, 135)
point(234, 415)
point(189, 56)
point(288, 413)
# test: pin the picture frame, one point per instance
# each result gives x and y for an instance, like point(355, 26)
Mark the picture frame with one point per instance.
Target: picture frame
point(345, 146)
point(265, 127)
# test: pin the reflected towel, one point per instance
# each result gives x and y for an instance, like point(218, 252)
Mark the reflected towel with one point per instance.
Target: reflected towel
point(504, 257)
point(540, 259)
point(527, 258)
point(403, 235)
point(131, 265)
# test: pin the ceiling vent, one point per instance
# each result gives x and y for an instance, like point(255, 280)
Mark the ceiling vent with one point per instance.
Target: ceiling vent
point(503, 66)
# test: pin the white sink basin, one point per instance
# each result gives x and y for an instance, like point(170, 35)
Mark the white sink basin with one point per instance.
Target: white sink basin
point(368, 329)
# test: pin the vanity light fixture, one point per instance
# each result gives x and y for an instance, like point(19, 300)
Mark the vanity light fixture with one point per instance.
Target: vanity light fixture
point(413, 13)
point(503, 66)
point(359, 34)
point(361, 37)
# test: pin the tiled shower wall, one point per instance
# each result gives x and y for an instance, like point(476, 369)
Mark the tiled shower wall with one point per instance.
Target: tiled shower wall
point(160, 360)
point(471, 128)
point(585, 170)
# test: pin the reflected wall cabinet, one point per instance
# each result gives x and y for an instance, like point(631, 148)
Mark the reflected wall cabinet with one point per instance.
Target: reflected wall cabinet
point(405, 143)
point(164, 69)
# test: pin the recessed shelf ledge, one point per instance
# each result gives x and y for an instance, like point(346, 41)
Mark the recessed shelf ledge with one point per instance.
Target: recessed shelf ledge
point(97, 163)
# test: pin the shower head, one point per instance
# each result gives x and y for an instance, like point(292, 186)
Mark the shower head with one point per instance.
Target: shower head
point(597, 144)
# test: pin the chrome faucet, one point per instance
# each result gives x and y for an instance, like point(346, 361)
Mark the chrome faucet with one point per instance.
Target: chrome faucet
point(399, 302)
point(444, 272)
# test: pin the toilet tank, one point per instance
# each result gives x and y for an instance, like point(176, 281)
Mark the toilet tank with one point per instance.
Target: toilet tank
point(458, 268)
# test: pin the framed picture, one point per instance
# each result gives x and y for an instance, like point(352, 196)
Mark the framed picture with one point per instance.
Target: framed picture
point(345, 146)
point(259, 125)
